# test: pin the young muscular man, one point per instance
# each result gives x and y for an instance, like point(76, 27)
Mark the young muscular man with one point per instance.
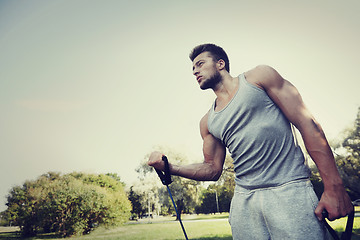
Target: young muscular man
point(252, 117)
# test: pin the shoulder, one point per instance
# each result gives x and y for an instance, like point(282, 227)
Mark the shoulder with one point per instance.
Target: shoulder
point(264, 76)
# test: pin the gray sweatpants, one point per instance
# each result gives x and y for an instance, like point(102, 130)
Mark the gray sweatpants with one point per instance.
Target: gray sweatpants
point(282, 212)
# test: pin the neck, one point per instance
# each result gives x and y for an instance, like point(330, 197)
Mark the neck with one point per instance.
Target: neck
point(226, 87)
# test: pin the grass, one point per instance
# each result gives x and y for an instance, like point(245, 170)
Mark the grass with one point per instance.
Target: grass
point(198, 227)
point(172, 230)
point(340, 224)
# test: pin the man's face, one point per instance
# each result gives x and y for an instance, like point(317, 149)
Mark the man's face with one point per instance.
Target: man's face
point(205, 71)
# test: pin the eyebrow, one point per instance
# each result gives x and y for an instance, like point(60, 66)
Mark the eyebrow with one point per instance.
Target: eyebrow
point(197, 62)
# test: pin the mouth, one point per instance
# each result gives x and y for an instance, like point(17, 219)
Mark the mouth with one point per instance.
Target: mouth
point(198, 78)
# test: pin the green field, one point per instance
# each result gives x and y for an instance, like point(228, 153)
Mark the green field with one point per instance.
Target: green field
point(200, 227)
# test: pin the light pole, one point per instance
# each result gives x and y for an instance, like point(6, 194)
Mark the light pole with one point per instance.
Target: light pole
point(149, 207)
point(217, 201)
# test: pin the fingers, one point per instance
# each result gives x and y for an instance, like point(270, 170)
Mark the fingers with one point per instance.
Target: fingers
point(323, 211)
point(155, 160)
point(336, 203)
point(320, 209)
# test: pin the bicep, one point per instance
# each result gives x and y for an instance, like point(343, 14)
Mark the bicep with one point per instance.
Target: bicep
point(213, 149)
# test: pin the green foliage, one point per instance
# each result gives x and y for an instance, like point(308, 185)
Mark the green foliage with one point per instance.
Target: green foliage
point(154, 196)
point(215, 198)
point(137, 209)
point(69, 205)
point(316, 182)
point(227, 183)
point(189, 195)
point(208, 202)
point(349, 163)
point(185, 193)
point(219, 193)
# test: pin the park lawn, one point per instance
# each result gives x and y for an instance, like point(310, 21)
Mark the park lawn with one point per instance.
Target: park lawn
point(170, 230)
point(196, 226)
point(200, 227)
point(340, 224)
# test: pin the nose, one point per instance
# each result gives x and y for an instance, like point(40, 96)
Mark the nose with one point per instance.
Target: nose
point(195, 71)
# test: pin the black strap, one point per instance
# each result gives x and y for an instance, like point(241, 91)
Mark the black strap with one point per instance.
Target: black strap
point(348, 230)
point(165, 176)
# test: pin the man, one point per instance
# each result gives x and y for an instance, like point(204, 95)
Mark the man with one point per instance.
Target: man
point(252, 117)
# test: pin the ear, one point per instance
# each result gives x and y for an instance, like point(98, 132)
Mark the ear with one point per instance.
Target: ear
point(220, 64)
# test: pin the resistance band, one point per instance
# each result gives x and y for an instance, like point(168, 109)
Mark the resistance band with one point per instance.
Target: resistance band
point(166, 180)
point(348, 230)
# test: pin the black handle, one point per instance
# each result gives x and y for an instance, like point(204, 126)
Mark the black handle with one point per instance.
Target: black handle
point(165, 176)
point(349, 226)
point(348, 230)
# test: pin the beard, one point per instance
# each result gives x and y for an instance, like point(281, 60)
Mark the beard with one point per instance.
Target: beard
point(211, 82)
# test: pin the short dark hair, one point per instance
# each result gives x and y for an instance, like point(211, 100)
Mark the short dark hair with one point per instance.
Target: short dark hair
point(216, 52)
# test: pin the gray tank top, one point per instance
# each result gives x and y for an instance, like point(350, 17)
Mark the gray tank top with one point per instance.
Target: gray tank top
point(259, 138)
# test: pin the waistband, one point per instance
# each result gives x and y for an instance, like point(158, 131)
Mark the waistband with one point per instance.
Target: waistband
point(241, 189)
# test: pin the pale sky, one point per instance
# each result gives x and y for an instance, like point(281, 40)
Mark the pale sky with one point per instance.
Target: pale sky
point(94, 86)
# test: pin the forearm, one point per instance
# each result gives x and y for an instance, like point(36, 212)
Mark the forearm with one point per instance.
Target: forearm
point(327, 169)
point(334, 199)
point(320, 151)
point(197, 171)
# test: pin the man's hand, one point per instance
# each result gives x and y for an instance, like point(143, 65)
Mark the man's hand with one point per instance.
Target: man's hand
point(337, 203)
point(155, 160)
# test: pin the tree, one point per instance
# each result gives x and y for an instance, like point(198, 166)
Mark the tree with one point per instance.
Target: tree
point(184, 191)
point(349, 163)
point(135, 199)
point(68, 204)
point(147, 190)
point(227, 185)
point(209, 200)
point(347, 157)
point(217, 197)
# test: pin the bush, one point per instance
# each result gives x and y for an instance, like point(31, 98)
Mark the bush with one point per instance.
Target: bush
point(69, 205)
